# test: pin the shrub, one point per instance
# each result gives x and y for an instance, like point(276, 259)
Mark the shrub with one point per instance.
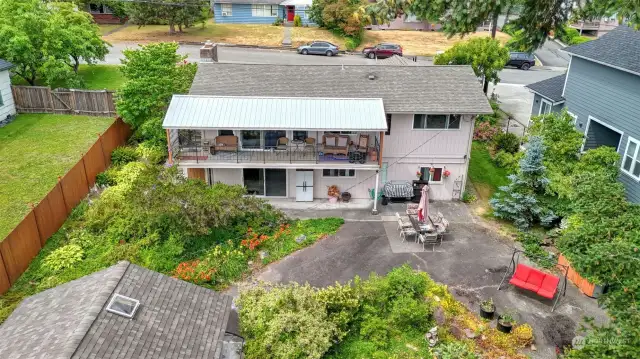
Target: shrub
point(297, 21)
point(153, 153)
point(64, 257)
point(507, 160)
point(123, 155)
point(454, 350)
point(410, 312)
point(468, 197)
point(485, 132)
point(508, 142)
point(278, 21)
point(342, 303)
point(579, 40)
point(106, 178)
point(352, 42)
point(375, 330)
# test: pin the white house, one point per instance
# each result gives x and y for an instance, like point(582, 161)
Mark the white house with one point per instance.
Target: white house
point(7, 108)
point(291, 131)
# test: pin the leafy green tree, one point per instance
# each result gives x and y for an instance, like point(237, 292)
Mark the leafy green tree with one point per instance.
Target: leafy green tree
point(486, 56)
point(153, 74)
point(175, 13)
point(339, 15)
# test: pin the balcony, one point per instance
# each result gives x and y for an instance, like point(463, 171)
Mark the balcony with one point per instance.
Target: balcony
point(585, 25)
point(290, 155)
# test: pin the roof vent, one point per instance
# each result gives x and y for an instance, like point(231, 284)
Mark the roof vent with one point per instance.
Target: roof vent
point(123, 306)
point(372, 76)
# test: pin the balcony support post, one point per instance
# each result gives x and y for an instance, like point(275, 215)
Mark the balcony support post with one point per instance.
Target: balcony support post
point(169, 149)
point(374, 211)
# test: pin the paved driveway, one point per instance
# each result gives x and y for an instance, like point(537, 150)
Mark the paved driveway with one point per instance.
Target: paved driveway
point(471, 261)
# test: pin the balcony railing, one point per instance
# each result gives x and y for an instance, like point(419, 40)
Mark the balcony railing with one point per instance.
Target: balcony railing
point(302, 153)
point(586, 25)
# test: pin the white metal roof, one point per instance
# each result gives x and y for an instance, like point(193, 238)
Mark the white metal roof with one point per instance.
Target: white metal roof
point(296, 2)
point(282, 113)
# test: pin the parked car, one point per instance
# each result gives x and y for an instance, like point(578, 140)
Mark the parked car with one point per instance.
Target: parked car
point(382, 51)
point(521, 60)
point(319, 48)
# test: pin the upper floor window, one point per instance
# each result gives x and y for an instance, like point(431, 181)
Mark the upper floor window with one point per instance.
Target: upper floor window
point(227, 9)
point(264, 10)
point(631, 159)
point(432, 177)
point(436, 122)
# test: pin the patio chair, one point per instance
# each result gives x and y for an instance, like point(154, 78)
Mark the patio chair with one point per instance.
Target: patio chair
point(282, 143)
point(363, 144)
point(403, 222)
point(310, 143)
point(428, 238)
point(406, 231)
point(412, 208)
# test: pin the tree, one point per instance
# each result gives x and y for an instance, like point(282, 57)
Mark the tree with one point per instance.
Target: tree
point(486, 56)
point(180, 13)
point(154, 73)
point(537, 18)
point(342, 16)
point(47, 41)
point(517, 201)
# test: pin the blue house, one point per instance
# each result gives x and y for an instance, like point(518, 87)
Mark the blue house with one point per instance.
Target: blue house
point(260, 11)
point(601, 91)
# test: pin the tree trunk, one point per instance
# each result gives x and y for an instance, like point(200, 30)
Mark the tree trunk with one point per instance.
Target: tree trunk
point(76, 63)
point(506, 15)
point(485, 86)
point(172, 28)
point(494, 24)
point(180, 26)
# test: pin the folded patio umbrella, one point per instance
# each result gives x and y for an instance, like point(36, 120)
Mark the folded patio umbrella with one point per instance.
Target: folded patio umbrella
point(423, 207)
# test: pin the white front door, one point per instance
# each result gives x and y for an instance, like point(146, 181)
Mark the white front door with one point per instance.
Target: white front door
point(304, 186)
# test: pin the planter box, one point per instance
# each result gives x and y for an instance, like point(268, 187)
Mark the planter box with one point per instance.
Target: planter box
point(589, 289)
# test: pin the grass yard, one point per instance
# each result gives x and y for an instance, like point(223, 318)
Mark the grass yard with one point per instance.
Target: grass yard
point(483, 173)
point(303, 35)
point(105, 28)
point(95, 77)
point(264, 35)
point(34, 150)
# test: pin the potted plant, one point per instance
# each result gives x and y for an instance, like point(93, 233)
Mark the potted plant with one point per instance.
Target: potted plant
point(505, 322)
point(418, 174)
point(333, 193)
point(446, 173)
point(487, 309)
point(346, 196)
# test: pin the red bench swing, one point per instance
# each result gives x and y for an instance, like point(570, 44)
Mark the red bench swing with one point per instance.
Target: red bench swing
point(543, 284)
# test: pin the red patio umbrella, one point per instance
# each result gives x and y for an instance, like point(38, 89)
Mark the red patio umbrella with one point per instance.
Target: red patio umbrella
point(423, 207)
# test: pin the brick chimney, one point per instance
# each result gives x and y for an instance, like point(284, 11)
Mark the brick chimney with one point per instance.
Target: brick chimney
point(209, 52)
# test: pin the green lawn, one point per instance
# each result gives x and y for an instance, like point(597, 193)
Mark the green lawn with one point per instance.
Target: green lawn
point(483, 173)
point(34, 150)
point(105, 28)
point(95, 77)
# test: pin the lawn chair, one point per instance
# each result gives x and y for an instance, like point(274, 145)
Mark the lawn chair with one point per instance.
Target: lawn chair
point(428, 238)
point(282, 143)
point(406, 231)
point(403, 222)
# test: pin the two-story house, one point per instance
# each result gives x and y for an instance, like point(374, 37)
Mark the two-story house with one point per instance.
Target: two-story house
point(291, 131)
point(601, 90)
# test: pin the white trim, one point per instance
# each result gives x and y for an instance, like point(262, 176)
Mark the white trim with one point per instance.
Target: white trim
point(634, 158)
point(546, 98)
point(574, 116)
point(413, 122)
point(338, 169)
point(228, 12)
point(566, 76)
point(442, 169)
point(586, 131)
point(542, 100)
point(603, 63)
point(126, 315)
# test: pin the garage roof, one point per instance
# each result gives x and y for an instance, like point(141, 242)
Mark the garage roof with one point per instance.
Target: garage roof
point(282, 113)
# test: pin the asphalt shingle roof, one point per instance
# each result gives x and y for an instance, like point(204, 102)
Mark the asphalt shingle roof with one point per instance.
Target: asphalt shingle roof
point(550, 88)
point(619, 47)
point(175, 319)
point(403, 89)
point(5, 65)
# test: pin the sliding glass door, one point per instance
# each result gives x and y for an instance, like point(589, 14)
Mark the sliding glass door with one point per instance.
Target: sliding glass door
point(270, 182)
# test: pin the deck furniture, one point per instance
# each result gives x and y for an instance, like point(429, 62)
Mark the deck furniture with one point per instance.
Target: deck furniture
point(412, 209)
point(403, 222)
point(226, 143)
point(406, 231)
point(543, 284)
point(335, 144)
point(428, 238)
point(282, 143)
point(396, 190)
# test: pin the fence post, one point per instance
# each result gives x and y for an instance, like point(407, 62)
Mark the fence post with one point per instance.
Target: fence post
point(35, 218)
point(53, 106)
point(86, 174)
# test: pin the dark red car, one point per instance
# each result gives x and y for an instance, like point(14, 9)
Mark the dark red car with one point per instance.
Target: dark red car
point(382, 51)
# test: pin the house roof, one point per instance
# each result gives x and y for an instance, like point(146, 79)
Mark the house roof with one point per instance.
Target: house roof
point(396, 60)
point(175, 318)
point(403, 89)
point(550, 89)
point(266, 2)
point(619, 48)
point(297, 2)
point(266, 113)
point(5, 65)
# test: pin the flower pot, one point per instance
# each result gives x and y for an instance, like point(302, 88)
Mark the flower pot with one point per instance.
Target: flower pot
point(504, 327)
point(346, 196)
point(487, 314)
point(333, 199)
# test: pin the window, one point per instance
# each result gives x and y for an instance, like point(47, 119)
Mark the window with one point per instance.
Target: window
point(338, 173)
point(388, 131)
point(435, 177)
point(271, 138)
point(227, 9)
point(264, 10)
point(123, 306)
point(270, 182)
point(631, 159)
point(435, 122)
point(99, 9)
point(545, 107)
point(251, 139)
point(225, 133)
point(299, 135)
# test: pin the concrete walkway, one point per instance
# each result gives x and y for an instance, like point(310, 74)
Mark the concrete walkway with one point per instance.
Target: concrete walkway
point(286, 37)
point(471, 261)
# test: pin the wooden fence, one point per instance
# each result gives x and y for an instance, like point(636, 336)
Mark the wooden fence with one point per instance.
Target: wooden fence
point(25, 241)
point(37, 99)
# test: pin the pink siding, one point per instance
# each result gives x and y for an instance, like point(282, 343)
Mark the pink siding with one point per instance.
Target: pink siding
point(400, 24)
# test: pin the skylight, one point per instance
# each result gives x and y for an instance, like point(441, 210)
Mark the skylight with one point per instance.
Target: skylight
point(123, 306)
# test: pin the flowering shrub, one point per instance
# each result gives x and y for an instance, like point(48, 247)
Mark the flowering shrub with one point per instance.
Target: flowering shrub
point(484, 131)
point(194, 271)
point(254, 239)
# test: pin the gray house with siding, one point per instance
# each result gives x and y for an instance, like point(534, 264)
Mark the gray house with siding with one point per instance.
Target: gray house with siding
point(601, 90)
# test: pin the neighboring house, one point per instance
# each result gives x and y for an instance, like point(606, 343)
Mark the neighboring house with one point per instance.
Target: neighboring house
point(601, 90)
point(409, 22)
point(90, 318)
point(290, 131)
point(7, 107)
point(260, 11)
point(102, 14)
point(596, 27)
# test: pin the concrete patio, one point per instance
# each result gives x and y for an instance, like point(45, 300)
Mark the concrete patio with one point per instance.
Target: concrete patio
point(471, 261)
